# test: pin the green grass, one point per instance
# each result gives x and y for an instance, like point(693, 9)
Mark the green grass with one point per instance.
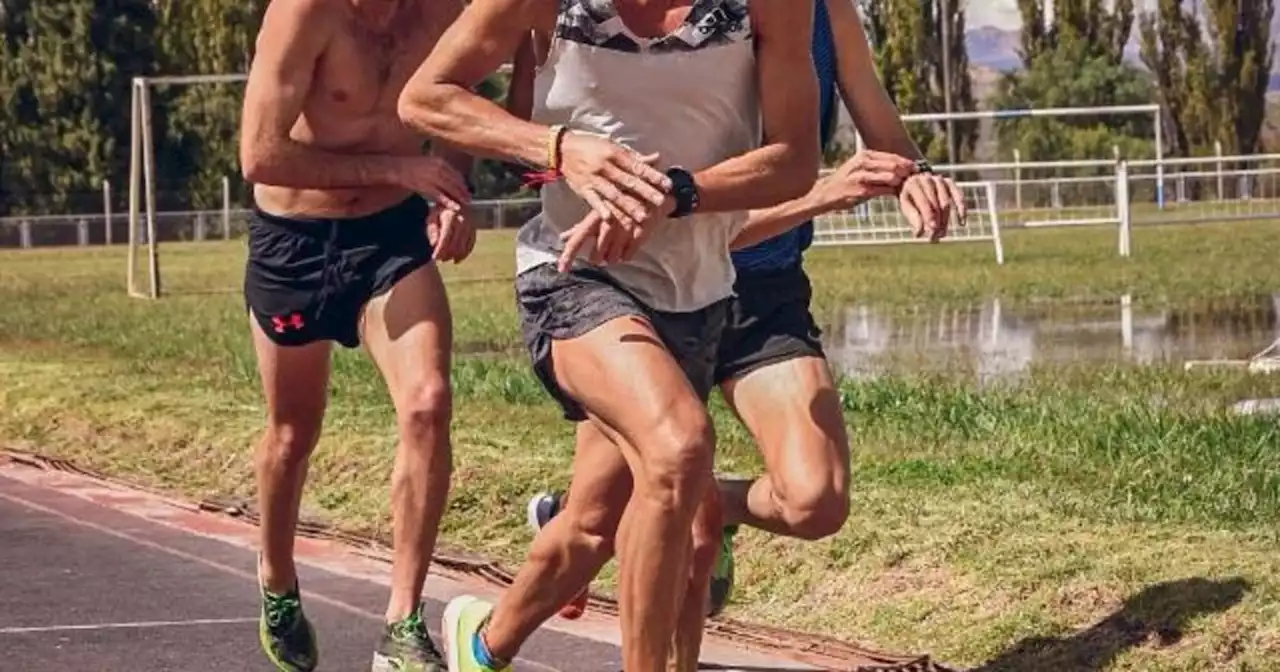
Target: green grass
point(1088, 517)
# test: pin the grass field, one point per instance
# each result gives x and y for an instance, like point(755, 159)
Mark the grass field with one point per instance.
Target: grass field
point(1087, 517)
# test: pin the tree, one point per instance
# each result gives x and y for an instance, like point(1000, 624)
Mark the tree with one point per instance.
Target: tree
point(198, 126)
point(67, 67)
point(1073, 74)
point(906, 39)
point(1211, 78)
point(1104, 32)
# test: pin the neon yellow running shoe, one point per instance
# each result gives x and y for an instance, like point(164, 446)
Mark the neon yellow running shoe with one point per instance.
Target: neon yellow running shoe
point(464, 618)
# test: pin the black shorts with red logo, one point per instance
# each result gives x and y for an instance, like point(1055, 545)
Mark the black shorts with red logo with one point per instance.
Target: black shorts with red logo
point(308, 280)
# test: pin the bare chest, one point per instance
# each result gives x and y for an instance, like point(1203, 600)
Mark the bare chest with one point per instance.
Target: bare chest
point(362, 73)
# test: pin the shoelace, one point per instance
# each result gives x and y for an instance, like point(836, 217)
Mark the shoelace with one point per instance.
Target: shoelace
point(279, 608)
point(414, 631)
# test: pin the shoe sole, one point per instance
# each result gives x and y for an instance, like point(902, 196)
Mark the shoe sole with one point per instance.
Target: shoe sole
point(449, 623)
point(578, 605)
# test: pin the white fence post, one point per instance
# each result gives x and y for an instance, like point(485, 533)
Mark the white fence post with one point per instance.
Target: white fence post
point(106, 212)
point(1124, 208)
point(226, 208)
point(1217, 151)
point(24, 234)
point(82, 232)
point(1017, 178)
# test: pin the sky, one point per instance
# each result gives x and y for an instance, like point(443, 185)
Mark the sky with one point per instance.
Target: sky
point(1003, 14)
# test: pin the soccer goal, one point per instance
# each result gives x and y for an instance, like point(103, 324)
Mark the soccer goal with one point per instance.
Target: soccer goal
point(142, 179)
point(880, 222)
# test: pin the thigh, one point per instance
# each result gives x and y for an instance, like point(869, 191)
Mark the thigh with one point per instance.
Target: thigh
point(408, 331)
point(295, 381)
point(793, 410)
point(624, 377)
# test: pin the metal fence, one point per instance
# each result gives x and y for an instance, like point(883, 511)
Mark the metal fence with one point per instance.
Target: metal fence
point(195, 225)
point(1114, 192)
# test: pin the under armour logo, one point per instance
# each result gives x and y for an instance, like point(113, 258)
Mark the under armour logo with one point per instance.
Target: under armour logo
point(294, 322)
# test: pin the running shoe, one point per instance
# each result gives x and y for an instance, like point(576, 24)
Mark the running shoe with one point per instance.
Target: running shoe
point(722, 577)
point(286, 635)
point(406, 647)
point(464, 619)
point(542, 508)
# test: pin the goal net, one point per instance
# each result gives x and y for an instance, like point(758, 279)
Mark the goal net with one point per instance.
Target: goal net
point(880, 222)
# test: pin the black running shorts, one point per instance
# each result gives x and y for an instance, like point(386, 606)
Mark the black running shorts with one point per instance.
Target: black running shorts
point(308, 280)
point(769, 322)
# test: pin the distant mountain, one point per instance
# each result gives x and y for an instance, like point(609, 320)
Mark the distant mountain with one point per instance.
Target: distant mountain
point(997, 49)
point(993, 48)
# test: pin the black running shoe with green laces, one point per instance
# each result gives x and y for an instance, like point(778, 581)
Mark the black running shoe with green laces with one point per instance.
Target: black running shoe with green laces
point(287, 636)
point(406, 647)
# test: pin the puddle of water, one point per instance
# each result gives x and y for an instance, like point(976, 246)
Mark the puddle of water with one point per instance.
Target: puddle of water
point(1001, 341)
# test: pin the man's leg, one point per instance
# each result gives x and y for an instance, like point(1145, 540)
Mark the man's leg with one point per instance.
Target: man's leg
point(793, 410)
point(668, 441)
point(661, 423)
point(570, 549)
point(295, 381)
point(408, 332)
point(687, 647)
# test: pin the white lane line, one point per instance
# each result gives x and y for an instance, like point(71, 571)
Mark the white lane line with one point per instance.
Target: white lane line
point(126, 626)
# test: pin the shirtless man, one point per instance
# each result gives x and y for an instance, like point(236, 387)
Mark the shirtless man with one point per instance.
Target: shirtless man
point(666, 120)
point(341, 246)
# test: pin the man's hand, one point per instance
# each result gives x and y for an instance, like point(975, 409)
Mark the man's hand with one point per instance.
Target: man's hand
point(434, 178)
point(618, 183)
point(929, 202)
point(451, 235)
point(615, 242)
point(866, 175)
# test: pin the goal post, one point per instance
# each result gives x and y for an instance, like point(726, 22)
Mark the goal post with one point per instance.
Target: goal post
point(142, 176)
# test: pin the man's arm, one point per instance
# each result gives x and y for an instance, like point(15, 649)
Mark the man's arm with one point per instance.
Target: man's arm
point(442, 15)
point(293, 36)
point(787, 165)
point(520, 90)
point(440, 100)
point(876, 117)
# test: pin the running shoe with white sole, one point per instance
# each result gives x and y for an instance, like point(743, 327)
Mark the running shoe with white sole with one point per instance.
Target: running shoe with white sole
point(464, 619)
point(542, 508)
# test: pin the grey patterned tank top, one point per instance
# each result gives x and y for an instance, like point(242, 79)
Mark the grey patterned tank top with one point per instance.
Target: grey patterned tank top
point(689, 96)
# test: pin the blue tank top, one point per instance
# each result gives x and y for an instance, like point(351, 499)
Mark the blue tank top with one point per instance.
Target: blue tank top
point(785, 251)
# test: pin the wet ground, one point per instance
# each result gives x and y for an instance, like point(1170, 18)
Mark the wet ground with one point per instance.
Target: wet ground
point(999, 340)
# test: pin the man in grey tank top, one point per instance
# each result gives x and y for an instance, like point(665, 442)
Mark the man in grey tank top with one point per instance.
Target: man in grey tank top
point(650, 115)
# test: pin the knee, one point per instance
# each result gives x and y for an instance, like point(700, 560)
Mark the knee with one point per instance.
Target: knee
point(594, 527)
point(290, 442)
point(424, 413)
point(677, 460)
point(814, 511)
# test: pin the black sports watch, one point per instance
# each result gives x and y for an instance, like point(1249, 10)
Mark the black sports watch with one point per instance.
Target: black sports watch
point(685, 191)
